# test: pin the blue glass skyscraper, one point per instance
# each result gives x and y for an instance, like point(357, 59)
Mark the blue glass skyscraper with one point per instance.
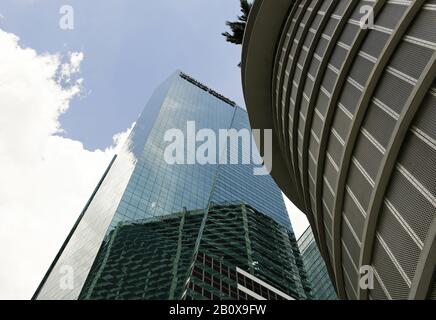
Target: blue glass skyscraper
point(140, 234)
point(317, 274)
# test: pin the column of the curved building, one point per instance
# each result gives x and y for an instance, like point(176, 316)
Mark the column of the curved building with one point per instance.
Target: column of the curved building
point(334, 96)
point(323, 62)
point(278, 74)
point(302, 99)
point(294, 85)
point(392, 151)
point(283, 96)
point(425, 268)
point(359, 115)
point(300, 76)
point(287, 86)
point(317, 31)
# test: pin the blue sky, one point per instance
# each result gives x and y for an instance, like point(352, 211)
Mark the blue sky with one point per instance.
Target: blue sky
point(129, 47)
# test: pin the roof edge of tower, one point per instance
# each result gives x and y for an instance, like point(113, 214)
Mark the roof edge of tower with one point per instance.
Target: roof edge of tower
point(202, 86)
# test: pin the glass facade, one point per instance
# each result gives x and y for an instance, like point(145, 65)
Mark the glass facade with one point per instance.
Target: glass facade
point(317, 274)
point(143, 226)
point(237, 236)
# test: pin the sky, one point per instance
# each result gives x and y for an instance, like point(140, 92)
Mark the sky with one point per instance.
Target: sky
point(68, 99)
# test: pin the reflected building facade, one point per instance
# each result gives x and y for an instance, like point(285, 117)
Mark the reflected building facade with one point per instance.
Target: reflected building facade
point(140, 234)
point(317, 274)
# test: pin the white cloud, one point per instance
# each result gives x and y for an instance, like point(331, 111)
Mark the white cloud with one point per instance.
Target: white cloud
point(71, 67)
point(45, 179)
point(298, 219)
